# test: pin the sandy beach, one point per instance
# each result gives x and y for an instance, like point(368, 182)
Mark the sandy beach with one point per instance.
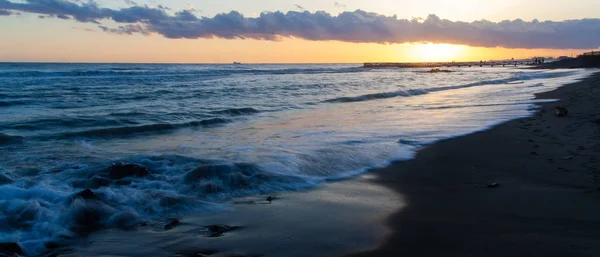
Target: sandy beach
point(546, 199)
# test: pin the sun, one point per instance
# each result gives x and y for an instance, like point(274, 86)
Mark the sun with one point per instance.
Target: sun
point(437, 52)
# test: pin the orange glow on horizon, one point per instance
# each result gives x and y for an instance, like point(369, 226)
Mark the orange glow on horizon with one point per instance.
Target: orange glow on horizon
point(82, 46)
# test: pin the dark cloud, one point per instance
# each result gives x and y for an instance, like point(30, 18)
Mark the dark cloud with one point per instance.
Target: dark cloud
point(358, 26)
point(128, 29)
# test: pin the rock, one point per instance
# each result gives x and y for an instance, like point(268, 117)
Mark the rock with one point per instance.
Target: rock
point(493, 185)
point(438, 71)
point(270, 199)
point(10, 249)
point(560, 111)
point(86, 216)
point(123, 170)
point(218, 230)
point(51, 245)
point(172, 224)
point(87, 194)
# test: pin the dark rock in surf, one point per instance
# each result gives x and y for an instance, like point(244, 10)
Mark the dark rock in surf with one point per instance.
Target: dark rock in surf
point(493, 185)
point(218, 230)
point(123, 170)
point(10, 249)
point(560, 111)
point(439, 71)
point(171, 224)
point(87, 194)
point(270, 199)
point(51, 245)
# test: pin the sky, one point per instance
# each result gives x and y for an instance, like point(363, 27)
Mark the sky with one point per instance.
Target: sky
point(294, 31)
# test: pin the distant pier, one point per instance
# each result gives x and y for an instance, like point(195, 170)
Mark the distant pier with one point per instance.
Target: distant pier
point(445, 64)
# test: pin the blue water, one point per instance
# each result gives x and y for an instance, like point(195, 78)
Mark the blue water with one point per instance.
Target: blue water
point(256, 128)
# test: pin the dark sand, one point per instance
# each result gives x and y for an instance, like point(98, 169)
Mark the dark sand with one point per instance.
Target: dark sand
point(547, 202)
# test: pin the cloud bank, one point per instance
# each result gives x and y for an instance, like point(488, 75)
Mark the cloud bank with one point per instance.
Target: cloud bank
point(357, 26)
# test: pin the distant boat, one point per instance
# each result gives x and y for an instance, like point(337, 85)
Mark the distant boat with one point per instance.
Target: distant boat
point(237, 63)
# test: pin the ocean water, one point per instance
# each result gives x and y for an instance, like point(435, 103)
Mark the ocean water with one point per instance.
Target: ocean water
point(209, 133)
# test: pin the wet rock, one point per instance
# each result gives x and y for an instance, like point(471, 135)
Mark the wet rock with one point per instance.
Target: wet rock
point(439, 71)
point(5, 180)
point(560, 111)
point(51, 245)
point(86, 216)
point(123, 170)
point(270, 199)
point(493, 185)
point(172, 224)
point(10, 249)
point(87, 194)
point(218, 230)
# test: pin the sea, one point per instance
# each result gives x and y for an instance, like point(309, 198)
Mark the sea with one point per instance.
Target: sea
point(210, 133)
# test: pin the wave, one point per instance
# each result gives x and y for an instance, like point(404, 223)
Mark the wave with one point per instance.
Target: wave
point(80, 201)
point(9, 139)
point(12, 103)
point(375, 96)
point(201, 72)
point(237, 111)
point(128, 130)
point(517, 77)
point(42, 124)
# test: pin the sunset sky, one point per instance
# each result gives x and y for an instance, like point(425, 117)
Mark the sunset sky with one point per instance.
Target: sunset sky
point(285, 31)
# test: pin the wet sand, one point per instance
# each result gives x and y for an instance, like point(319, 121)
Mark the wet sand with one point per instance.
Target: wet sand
point(332, 220)
point(546, 201)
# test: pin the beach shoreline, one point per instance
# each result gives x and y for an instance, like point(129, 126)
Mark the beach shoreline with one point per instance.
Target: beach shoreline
point(528, 187)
